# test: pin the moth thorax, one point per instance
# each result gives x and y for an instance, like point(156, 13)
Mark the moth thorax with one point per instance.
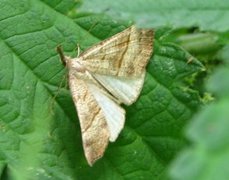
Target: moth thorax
point(78, 66)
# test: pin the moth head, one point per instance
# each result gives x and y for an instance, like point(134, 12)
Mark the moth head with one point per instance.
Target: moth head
point(73, 63)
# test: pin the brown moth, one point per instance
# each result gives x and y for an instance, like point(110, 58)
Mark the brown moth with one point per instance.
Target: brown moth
point(101, 78)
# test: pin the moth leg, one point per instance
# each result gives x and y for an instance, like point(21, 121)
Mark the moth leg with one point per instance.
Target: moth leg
point(52, 102)
point(78, 50)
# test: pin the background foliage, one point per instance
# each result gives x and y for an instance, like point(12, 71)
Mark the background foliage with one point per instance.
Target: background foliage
point(176, 130)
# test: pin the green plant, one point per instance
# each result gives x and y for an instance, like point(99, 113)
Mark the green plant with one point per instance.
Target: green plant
point(39, 131)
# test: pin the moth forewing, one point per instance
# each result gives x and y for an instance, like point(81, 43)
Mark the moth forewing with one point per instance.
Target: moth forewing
point(94, 128)
point(101, 119)
point(124, 54)
point(105, 75)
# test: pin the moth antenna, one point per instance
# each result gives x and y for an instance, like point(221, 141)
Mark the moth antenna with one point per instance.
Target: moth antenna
point(61, 54)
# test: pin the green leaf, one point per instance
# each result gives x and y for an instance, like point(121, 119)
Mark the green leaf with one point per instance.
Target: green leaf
point(207, 14)
point(218, 83)
point(39, 131)
point(208, 156)
point(63, 6)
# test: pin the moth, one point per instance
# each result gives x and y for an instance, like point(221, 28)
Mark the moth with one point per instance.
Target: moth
point(103, 77)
